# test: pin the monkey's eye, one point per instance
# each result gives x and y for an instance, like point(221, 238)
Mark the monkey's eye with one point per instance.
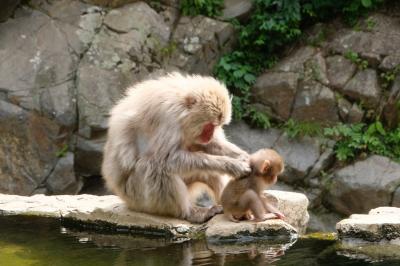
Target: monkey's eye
point(220, 117)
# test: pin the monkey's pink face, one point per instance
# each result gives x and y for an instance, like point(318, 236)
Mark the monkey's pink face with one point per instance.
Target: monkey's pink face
point(207, 133)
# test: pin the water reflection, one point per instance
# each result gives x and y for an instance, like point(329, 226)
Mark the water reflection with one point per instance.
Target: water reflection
point(42, 242)
point(188, 253)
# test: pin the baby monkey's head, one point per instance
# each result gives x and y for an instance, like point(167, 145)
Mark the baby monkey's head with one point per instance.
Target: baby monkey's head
point(267, 164)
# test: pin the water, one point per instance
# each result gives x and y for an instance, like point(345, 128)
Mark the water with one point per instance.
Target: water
point(40, 241)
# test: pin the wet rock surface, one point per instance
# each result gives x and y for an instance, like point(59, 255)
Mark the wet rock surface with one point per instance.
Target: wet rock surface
point(379, 225)
point(110, 213)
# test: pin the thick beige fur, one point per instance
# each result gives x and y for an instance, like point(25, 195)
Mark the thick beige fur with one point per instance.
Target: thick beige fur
point(148, 153)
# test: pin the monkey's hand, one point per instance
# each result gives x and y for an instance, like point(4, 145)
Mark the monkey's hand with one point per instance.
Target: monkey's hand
point(237, 168)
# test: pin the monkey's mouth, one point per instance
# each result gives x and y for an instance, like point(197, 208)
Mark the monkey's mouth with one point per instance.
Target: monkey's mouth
point(207, 133)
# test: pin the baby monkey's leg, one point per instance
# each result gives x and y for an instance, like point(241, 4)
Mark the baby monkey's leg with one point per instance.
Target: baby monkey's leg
point(251, 200)
point(272, 209)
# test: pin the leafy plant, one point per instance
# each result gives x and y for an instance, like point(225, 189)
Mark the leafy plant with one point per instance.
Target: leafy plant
point(210, 8)
point(259, 119)
point(295, 129)
point(62, 151)
point(389, 76)
point(355, 58)
point(355, 139)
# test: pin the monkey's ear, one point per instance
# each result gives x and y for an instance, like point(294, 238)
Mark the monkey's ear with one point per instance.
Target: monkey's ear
point(190, 100)
point(264, 167)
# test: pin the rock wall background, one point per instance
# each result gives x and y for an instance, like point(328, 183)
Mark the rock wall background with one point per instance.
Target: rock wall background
point(65, 63)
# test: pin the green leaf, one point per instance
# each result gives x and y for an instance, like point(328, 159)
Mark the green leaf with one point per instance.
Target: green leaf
point(366, 3)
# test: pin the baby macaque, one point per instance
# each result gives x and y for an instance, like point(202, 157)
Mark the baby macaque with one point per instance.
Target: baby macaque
point(243, 198)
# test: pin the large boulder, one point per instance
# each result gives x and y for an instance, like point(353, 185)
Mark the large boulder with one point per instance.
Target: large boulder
point(251, 139)
point(340, 70)
point(277, 90)
point(364, 87)
point(29, 144)
point(198, 43)
point(315, 103)
point(121, 53)
point(363, 185)
point(37, 66)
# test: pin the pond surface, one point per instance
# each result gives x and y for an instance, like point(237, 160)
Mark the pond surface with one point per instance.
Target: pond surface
point(41, 242)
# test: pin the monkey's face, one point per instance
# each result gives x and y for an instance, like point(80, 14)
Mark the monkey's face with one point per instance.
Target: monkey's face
point(268, 165)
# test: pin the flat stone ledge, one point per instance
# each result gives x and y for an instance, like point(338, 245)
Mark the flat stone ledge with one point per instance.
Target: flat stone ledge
point(381, 225)
point(109, 213)
point(221, 229)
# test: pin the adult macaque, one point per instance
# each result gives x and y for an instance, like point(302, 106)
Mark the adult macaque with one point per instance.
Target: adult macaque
point(167, 130)
point(243, 198)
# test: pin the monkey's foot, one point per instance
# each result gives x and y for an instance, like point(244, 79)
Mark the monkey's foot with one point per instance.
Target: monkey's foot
point(266, 216)
point(203, 214)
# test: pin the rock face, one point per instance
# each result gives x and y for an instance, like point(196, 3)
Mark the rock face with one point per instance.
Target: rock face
point(380, 225)
point(364, 185)
point(110, 212)
point(307, 84)
point(29, 137)
point(65, 63)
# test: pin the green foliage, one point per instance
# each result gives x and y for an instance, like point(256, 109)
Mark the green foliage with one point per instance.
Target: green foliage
point(209, 8)
point(355, 58)
point(298, 129)
point(272, 25)
point(259, 119)
point(389, 76)
point(62, 151)
point(355, 139)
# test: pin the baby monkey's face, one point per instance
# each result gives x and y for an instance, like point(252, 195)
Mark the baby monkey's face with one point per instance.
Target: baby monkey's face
point(267, 164)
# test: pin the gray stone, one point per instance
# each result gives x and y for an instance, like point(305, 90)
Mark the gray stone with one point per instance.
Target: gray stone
point(98, 91)
point(62, 179)
point(363, 185)
point(340, 70)
point(367, 44)
point(238, 9)
point(293, 205)
point(390, 62)
point(391, 110)
point(7, 8)
point(295, 61)
point(349, 113)
point(27, 149)
point(300, 156)
point(139, 17)
point(110, 213)
point(379, 225)
point(364, 87)
point(221, 229)
point(250, 139)
point(315, 103)
point(200, 42)
point(89, 155)
point(36, 66)
point(324, 161)
point(276, 90)
point(315, 69)
point(396, 198)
